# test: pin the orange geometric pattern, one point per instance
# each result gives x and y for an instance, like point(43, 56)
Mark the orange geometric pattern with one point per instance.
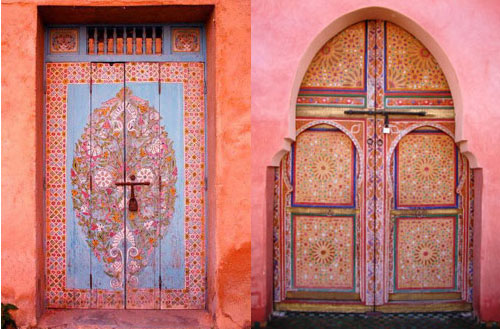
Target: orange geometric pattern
point(410, 66)
point(324, 168)
point(340, 63)
point(324, 252)
point(425, 253)
point(426, 170)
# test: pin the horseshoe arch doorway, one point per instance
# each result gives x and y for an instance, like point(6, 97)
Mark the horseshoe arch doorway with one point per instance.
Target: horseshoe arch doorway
point(373, 206)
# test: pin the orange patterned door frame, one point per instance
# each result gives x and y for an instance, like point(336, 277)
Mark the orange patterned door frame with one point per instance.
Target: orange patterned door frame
point(373, 203)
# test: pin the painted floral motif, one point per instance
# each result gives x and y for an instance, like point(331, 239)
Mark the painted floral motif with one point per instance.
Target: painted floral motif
point(426, 170)
point(324, 168)
point(317, 263)
point(100, 214)
point(410, 66)
point(425, 253)
point(340, 63)
point(64, 40)
point(185, 40)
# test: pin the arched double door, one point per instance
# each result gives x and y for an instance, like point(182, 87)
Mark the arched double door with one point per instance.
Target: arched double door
point(373, 205)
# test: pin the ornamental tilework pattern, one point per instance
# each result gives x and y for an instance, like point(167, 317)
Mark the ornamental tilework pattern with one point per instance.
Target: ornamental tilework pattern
point(59, 76)
point(340, 63)
point(324, 168)
point(63, 41)
point(324, 252)
point(185, 40)
point(425, 253)
point(409, 65)
point(426, 170)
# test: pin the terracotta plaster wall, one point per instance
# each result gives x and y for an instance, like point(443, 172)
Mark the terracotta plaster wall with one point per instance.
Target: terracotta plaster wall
point(463, 36)
point(228, 102)
point(21, 181)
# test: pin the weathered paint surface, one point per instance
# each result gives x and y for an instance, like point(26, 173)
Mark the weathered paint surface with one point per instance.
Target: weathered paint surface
point(460, 34)
point(228, 105)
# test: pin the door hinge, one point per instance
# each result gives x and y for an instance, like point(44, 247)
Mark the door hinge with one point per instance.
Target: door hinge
point(159, 182)
point(91, 186)
point(205, 87)
point(44, 183)
point(159, 282)
point(206, 183)
point(90, 278)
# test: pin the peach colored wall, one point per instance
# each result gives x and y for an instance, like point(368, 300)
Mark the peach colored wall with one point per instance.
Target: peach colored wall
point(228, 103)
point(462, 35)
point(20, 170)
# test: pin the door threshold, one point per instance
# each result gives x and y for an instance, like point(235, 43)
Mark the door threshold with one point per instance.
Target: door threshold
point(391, 307)
point(117, 319)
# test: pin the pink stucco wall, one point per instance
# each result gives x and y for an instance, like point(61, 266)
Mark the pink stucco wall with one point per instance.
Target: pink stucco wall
point(228, 105)
point(462, 35)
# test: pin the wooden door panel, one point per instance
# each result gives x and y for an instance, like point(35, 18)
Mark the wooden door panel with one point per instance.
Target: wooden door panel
point(68, 265)
point(182, 102)
point(425, 254)
point(426, 170)
point(324, 254)
point(106, 122)
point(147, 147)
point(324, 169)
point(106, 221)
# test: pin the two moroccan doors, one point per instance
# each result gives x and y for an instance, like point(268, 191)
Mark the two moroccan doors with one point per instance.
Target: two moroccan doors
point(373, 205)
point(125, 149)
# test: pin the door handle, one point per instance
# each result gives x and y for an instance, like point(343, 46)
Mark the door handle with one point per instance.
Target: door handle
point(132, 203)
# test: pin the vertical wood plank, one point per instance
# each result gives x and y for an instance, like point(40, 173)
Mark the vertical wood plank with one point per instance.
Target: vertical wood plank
point(106, 231)
point(144, 144)
point(67, 92)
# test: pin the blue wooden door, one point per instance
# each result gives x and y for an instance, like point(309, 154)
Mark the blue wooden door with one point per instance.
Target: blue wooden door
point(111, 244)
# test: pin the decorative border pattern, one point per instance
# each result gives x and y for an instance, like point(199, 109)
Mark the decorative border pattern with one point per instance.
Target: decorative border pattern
point(58, 77)
point(192, 76)
point(405, 102)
